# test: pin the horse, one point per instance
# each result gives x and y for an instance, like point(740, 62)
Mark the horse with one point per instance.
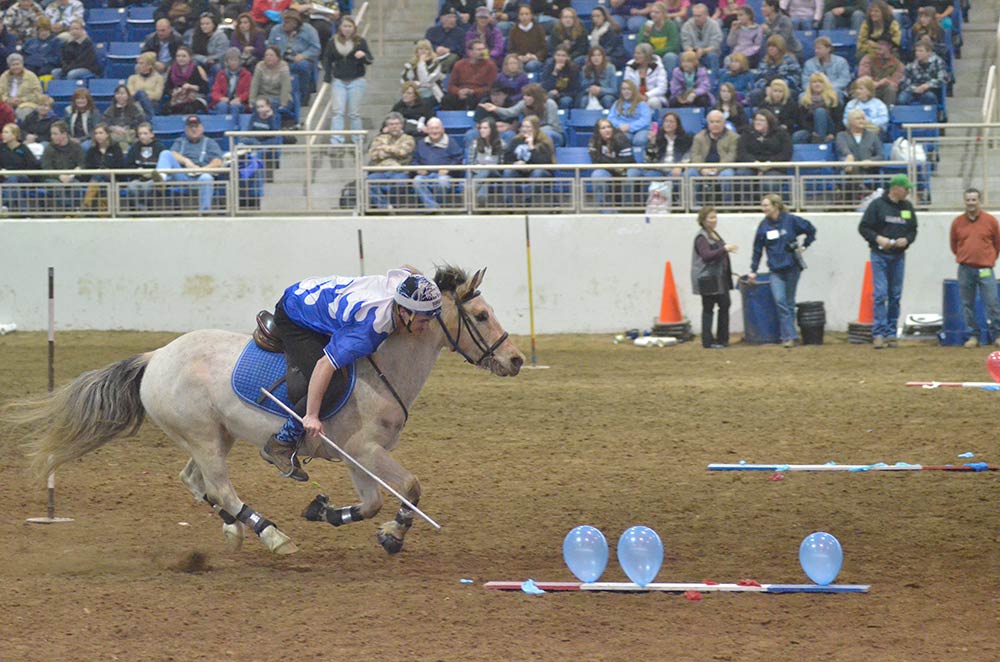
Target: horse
point(184, 388)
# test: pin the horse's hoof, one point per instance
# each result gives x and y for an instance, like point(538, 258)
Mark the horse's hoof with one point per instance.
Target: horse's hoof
point(233, 534)
point(316, 510)
point(389, 542)
point(277, 542)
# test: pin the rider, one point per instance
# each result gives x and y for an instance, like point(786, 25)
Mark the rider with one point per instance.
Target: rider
point(327, 324)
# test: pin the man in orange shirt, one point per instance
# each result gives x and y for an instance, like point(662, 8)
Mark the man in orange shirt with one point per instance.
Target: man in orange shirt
point(975, 241)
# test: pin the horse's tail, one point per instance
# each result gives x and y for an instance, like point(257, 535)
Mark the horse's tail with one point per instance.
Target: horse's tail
point(95, 408)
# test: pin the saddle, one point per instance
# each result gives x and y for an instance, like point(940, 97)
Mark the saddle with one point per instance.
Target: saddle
point(265, 335)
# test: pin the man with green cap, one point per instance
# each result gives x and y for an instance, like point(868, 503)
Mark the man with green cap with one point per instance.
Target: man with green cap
point(889, 225)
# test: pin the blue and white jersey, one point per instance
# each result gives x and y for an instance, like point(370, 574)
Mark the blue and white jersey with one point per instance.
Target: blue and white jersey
point(355, 312)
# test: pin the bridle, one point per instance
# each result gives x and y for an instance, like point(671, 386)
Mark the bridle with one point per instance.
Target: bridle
point(464, 320)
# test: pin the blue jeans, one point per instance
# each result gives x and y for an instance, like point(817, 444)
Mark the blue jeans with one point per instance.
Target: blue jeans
point(852, 20)
point(73, 74)
point(305, 71)
point(206, 181)
point(347, 96)
point(224, 108)
point(783, 284)
point(970, 280)
point(427, 185)
point(802, 24)
point(639, 141)
point(822, 126)
point(483, 189)
point(145, 103)
point(887, 289)
point(906, 97)
point(377, 192)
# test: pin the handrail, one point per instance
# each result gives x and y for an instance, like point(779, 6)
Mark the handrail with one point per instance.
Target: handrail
point(576, 167)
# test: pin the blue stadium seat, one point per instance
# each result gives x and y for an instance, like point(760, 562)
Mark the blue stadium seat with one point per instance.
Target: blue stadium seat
point(456, 122)
point(62, 90)
point(139, 23)
point(821, 152)
point(845, 43)
point(900, 115)
point(571, 156)
point(244, 121)
point(582, 121)
point(105, 24)
point(121, 57)
point(806, 38)
point(692, 119)
point(630, 43)
point(168, 128)
point(103, 89)
point(217, 125)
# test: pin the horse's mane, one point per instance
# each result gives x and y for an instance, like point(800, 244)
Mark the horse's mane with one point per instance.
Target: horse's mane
point(449, 278)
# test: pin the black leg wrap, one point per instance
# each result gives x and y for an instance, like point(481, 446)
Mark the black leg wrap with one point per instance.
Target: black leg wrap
point(316, 510)
point(256, 522)
point(226, 517)
point(346, 515)
point(404, 517)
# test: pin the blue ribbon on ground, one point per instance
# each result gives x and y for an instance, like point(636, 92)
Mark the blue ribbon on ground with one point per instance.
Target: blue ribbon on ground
point(868, 467)
point(978, 466)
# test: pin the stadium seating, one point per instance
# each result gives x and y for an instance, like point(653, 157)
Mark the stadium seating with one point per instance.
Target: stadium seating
point(103, 89)
point(105, 24)
point(121, 57)
point(139, 23)
point(692, 119)
point(582, 121)
point(168, 127)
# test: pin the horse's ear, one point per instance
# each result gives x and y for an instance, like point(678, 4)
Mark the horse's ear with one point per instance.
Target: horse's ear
point(476, 279)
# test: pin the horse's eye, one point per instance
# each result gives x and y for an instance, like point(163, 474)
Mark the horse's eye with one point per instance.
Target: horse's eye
point(482, 317)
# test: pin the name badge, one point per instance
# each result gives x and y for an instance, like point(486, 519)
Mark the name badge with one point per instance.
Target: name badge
point(985, 273)
point(906, 213)
point(772, 235)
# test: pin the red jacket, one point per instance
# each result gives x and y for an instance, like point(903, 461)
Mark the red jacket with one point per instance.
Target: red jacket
point(220, 89)
point(260, 6)
point(6, 115)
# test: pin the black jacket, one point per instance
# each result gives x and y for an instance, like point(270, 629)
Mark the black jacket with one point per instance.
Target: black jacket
point(541, 155)
point(618, 152)
point(343, 68)
point(79, 55)
point(774, 146)
point(19, 158)
point(895, 220)
point(657, 149)
point(152, 44)
point(143, 156)
point(412, 114)
point(787, 113)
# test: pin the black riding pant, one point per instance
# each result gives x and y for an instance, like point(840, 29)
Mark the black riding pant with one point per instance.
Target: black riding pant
point(303, 348)
point(708, 304)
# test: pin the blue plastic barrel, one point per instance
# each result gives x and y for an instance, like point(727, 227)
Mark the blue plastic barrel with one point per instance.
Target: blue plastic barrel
point(953, 329)
point(760, 314)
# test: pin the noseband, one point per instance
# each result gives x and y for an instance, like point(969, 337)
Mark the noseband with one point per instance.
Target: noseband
point(464, 320)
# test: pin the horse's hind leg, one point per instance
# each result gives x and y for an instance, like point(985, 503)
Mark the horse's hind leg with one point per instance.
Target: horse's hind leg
point(233, 531)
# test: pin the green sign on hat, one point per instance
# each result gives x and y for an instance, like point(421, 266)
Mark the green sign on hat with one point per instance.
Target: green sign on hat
point(901, 180)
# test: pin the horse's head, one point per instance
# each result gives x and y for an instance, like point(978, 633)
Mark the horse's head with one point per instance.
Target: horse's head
point(470, 326)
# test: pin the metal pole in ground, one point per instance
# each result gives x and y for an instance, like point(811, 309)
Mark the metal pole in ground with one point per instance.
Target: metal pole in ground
point(531, 297)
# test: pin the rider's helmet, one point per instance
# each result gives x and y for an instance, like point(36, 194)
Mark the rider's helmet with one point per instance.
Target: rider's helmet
point(419, 294)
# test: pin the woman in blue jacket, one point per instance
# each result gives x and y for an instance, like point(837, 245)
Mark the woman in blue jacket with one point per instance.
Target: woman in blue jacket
point(779, 232)
point(598, 80)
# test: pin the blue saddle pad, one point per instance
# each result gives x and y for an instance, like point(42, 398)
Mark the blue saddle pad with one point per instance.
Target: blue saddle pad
point(256, 368)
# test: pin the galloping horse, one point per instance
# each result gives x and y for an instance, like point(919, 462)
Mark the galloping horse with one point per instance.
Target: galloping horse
point(185, 389)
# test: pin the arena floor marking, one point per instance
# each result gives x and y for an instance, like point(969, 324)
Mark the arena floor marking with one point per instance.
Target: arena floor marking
point(858, 468)
point(629, 587)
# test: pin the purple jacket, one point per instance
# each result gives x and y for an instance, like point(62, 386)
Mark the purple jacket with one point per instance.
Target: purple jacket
point(494, 37)
point(516, 85)
point(701, 83)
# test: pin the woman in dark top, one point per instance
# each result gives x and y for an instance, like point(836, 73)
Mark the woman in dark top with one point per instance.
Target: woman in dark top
point(611, 150)
point(606, 34)
point(531, 146)
point(670, 144)
point(14, 155)
point(712, 278)
point(104, 153)
point(123, 117)
point(414, 109)
point(345, 63)
point(249, 39)
point(571, 35)
point(730, 107)
point(779, 100)
point(764, 140)
point(82, 117)
point(78, 58)
point(561, 78)
point(186, 88)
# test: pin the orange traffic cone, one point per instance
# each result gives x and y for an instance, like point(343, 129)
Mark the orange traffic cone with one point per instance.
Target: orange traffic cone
point(670, 305)
point(865, 312)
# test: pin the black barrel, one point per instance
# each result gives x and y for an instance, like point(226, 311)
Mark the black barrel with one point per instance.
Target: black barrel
point(812, 322)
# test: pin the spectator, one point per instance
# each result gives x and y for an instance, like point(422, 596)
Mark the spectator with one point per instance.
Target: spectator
point(606, 34)
point(208, 43)
point(299, 45)
point(738, 75)
point(885, 70)
point(765, 141)
point(535, 103)
point(19, 88)
point(777, 24)
point(82, 117)
point(530, 147)
point(61, 13)
point(689, 85)
point(702, 36)
point(779, 234)
point(144, 153)
point(425, 70)
point(670, 144)
point(819, 112)
point(663, 35)
point(182, 14)
point(597, 81)
point(864, 99)
point(889, 225)
point(264, 118)
point(777, 63)
point(448, 39)
point(785, 108)
point(21, 19)
point(527, 40)
point(836, 68)
point(879, 23)
point(629, 15)
point(942, 10)
point(104, 154)
point(731, 108)
point(804, 14)
point(146, 84)
point(38, 124)
point(267, 13)
point(611, 148)
point(231, 89)
point(860, 143)
point(745, 36)
point(712, 278)
point(123, 117)
point(62, 154)
point(927, 26)
point(194, 153)
point(186, 88)
point(570, 34)
point(715, 144)
point(512, 77)
point(484, 30)
point(925, 79)
point(414, 110)
point(470, 79)
point(649, 76)
point(164, 43)
point(78, 58)
point(499, 98)
point(485, 150)
point(561, 79)
point(392, 147)
point(250, 40)
point(273, 79)
point(466, 9)
point(323, 16)
point(727, 12)
point(547, 12)
point(42, 52)
point(436, 149)
point(632, 115)
point(839, 14)
point(975, 241)
point(15, 155)
point(677, 10)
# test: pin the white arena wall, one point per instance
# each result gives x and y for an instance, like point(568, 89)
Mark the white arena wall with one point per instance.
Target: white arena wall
point(591, 273)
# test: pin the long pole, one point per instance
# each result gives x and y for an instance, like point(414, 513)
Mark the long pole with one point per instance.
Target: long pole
point(531, 295)
point(357, 464)
point(361, 252)
point(52, 377)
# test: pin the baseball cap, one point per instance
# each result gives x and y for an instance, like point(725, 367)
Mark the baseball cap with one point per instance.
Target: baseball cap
point(901, 180)
point(449, 10)
point(482, 11)
point(192, 120)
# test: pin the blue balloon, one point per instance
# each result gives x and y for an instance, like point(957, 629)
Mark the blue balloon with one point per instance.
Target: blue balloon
point(821, 557)
point(585, 551)
point(640, 554)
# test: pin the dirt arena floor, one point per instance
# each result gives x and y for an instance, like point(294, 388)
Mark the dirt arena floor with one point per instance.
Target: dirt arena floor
point(610, 436)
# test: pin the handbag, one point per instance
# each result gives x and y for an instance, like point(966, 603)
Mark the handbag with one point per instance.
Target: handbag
point(904, 150)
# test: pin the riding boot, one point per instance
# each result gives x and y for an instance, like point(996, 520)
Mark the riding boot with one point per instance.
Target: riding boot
point(280, 451)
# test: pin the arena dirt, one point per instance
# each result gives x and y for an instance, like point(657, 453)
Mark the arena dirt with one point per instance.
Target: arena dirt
point(610, 436)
